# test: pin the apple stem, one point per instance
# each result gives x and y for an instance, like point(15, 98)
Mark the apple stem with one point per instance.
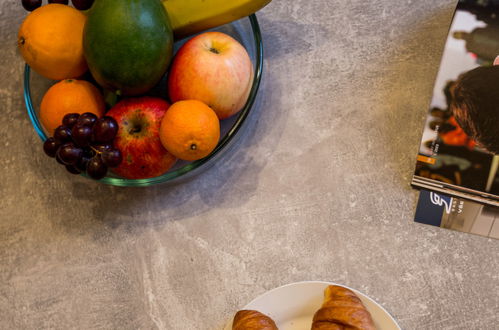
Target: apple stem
point(135, 129)
point(214, 50)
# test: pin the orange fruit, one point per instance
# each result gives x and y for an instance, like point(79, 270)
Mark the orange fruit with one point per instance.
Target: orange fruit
point(50, 40)
point(189, 130)
point(69, 96)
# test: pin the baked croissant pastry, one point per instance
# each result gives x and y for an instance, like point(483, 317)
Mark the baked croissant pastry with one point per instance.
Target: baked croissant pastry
point(342, 310)
point(252, 320)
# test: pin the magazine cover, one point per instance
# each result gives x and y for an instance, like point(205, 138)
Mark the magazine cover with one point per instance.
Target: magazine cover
point(459, 150)
point(459, 214)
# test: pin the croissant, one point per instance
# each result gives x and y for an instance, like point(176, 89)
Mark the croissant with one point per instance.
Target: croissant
point(342, 310)
point(252, 320)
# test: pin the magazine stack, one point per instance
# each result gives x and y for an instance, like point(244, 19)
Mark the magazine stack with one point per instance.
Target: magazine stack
point(458, 160)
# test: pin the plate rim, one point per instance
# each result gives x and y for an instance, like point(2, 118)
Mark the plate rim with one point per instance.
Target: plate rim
point(268, 292)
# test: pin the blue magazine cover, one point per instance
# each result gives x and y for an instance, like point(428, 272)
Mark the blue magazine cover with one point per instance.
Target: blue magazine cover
point(459, 214)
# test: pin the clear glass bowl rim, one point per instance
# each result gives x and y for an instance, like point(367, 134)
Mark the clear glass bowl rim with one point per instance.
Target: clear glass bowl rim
point(178, 173)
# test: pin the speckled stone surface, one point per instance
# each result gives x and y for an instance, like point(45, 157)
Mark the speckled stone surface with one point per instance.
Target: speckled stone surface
point(317, 190)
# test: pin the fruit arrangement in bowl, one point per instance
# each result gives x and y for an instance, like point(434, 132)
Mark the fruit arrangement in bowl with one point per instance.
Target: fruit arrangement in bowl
point(135, 93)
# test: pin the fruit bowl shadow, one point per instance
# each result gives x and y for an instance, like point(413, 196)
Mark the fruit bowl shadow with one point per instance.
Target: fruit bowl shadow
point(247, 32)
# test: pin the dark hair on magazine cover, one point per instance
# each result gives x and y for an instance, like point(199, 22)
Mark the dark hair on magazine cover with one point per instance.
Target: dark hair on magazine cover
point(475, 105)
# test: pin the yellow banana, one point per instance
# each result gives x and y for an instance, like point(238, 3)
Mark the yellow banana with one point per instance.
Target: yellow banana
point(192, 16)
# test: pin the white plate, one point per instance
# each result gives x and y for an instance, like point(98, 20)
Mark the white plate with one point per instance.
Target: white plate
point(293, 306)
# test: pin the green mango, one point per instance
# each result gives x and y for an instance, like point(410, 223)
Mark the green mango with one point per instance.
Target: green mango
point(128, 44)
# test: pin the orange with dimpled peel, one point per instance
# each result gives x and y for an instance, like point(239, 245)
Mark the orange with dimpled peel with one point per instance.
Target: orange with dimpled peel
point(190, 130)
point(50, 40)
point(69, 96)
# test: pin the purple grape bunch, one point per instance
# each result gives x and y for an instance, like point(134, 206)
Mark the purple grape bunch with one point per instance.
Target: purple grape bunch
point(82, 4)
point(84, 144)
point(31, 5)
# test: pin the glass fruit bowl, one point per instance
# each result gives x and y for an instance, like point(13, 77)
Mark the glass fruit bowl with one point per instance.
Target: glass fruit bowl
point(247, 32)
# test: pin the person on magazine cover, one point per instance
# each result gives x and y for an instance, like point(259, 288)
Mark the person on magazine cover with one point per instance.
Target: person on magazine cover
point(475, 105)
point(482, 42)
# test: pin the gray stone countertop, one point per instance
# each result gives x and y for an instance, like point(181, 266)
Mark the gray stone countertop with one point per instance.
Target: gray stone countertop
point(317, 190)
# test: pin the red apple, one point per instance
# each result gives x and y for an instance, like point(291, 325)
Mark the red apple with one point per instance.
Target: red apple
point(213, 68)
point(138, 140)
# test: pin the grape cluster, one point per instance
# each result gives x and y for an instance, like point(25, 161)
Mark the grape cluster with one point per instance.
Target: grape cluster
point(83, 143)
point(31, 5)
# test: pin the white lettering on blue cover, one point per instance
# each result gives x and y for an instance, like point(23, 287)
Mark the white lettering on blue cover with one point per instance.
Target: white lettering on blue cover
point(438, 200)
